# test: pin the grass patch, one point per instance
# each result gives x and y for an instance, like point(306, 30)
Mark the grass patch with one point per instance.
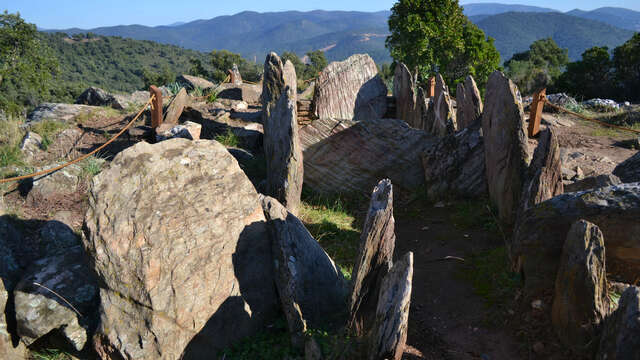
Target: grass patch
point(93, 115)
point(10, 155)
point(212, 97)
point(50, 354)
point(228, 139)
point(475, 214)
point(270, 345)
point(10, 137)
point(91, 167)
point(48, 130)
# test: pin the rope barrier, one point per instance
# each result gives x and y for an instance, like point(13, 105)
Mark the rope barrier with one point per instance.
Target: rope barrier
point(48, 171)
point(547, 102)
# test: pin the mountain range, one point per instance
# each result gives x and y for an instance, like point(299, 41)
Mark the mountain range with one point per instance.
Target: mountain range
point(342, 33)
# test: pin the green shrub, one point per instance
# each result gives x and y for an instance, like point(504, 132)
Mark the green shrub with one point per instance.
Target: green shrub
point(228, 139)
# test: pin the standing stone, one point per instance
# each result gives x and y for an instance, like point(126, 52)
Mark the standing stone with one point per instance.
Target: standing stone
point(407, 108)
point(375, 258)
point(621, 336)
point(629, 170)
point(423, 102)
point(455, 165)
point(283, 152)
point(178, 240)
point(389, 334)
point(273, 84)
point(290, 78)
point(351, 90)
point(445, 118)
point(236, 78)
point(505, 141)
point(580, 302)
point(176, 107)
point(469, 103)
point(311, 287)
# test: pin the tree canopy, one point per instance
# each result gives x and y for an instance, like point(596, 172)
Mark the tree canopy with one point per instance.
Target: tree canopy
point(539, 67)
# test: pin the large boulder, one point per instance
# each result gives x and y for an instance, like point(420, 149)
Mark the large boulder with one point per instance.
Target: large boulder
point(10, 348)
point(351, 90)
point(455, 165)
point(244, 92)
point(445, 118)
point(629, 170)
point(178, 240)
point(347, 156)
point(98, 97)
point(621, 335)
point(55, 185)
point(469, 103)
point(593, 182)
point(192, 82)
point(312, 289)
point(580, 302)
point(541, 232)
point(407, 102)
point(505, 144)
point(283, 152)
point(60, 112)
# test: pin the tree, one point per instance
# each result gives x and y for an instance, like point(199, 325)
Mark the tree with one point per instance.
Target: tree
point(222, 61)
point(434, 36)
point(538, 67)
point(26, 66)
point(317, 63)
point(197, 69)
point(590, 77)
point(626, 59)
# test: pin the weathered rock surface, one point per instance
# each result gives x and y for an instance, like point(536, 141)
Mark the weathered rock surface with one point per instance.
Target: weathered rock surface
point(31, 144)
point(249, 134)
point(245, 92)
point(57, 238)
point(178, 240)
point(505, 143)
point(273, 84)
point(192, 82)
point(593, 182)
point(187, 130)
point(469, 103)
point(9, 349)
point(389, 334)
point(283, 152)
point(172, 115)
point(57, 292)
point(375, 258)
point(97, 97)
point(55, 185)
point(580, 302)
point(629, 170)
point(404, 91)
point(348, 156)
point(621, 336)
point(59, 112)
point(455, 165)
point(312, 289)
point(351, 90)
point(445, 118)
point(290, 78)
point(236, 78)
point(614, 209)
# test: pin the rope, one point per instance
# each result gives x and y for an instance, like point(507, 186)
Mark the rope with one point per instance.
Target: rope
point(589, 119)
point(48, 171)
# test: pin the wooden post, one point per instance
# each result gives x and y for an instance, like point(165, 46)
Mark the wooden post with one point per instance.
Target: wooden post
point(535, 112)
point(156, 107)
point(431, 87)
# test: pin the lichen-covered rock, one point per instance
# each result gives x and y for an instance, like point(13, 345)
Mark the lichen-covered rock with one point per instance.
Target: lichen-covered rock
point(178, 240)
point(593, 182)
point(9, 349)
point(347, 156)
point(57, 292)
point(273, 84)
point(97, 97)
point(541, 232)
point(283, 152)
point(375, 258)
point(621, 336)
point(57, 184)
point(580, 302)
point(389, 334)
point(59, 112)
point(312, 289)
point(351, 90)
point(290, 79)
point(56, 238)
point(445, 118)
point(469, 103)
point(31, 144)
point(505, 144)
point(629, 170)
point(192, 82)
point(455, 165)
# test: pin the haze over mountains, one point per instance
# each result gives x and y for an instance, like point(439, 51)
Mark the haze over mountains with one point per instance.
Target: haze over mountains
point(341, 33)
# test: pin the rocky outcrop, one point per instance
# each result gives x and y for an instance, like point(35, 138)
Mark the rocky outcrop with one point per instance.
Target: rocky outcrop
point(187, 130)
point(407, 101)
point(57, 293)
point(31, 144)
point(505, 143)
point(54, 185)
point(614, 209)
point(445, 119)
point(593, 182)
point(375, 258)
point(580, 302)
point(469, 103)
point(9, 349)
point(351, 90)
point(283, 152)
point(60, 112)
point(173, 112)
point(389, 334)
point(629, 170)
point(455, 165)
point(273, 84)
point(621, 336)
point(178, 240)
point(192, 82)
point(312, 289)
point(97, 97)
point(245, 92)
point(347, 156)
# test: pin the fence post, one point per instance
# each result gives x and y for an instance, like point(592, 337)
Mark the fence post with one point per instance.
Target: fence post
point(535, 112)
point(431, 87)
point(156, 107)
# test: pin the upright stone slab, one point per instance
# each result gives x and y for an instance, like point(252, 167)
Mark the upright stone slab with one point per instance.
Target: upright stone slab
point(580, 302)
point(236, 77)
point(351, 90)
point(445, 118)
point(389, 334)
point(283, 152)
point(273, 84)
point(620, 339)
point(505, 140)
point(290, 78)
point(375, 258)
point(176, 107)
point(404, 91)
point(469, 103)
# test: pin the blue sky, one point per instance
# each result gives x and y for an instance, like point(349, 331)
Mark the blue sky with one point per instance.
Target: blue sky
point(57, 14)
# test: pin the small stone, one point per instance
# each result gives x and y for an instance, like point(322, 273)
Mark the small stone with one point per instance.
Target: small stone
point(188, 130)
point(31, 144)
